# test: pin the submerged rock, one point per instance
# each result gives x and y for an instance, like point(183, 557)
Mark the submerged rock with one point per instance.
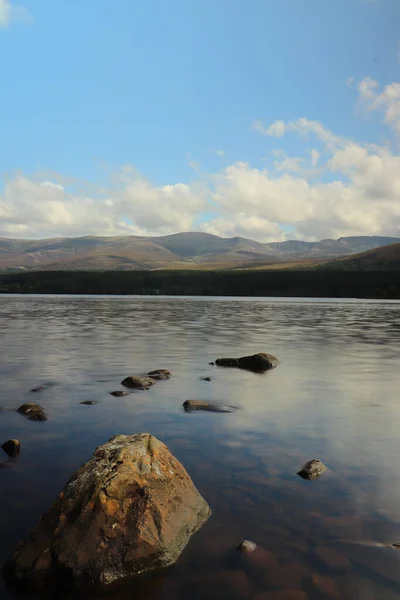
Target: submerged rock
point(12, 447)
point(257, 362)
point(312, 470)
point(192, 405)
point(206, 378)
point(138, 382)
point(89, 402)
point(34, 412)
point(131, 508)
point(119, 393)
point(160, 374)
point(332, 559)
point(247, 546)
point(43, 387)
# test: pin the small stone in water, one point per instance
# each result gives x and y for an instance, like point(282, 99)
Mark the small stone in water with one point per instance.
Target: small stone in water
point(160, 374)
point(206, 378)
point(247, 546)
point(119, 393)
point(89, 402)
point(34, 412)
point(12, 447)
point(312, 470)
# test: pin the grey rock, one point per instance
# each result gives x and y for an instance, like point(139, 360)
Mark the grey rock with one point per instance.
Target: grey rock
point(11, 447)
point(138, 382)
point(119, 393)
point(247, 546)
point(192, 405)
point(34, 412)
point(257, 363)
point(160, 374)
point(312, 470)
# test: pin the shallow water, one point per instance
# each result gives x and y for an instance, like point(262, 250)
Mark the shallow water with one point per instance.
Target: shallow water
point(335, 396)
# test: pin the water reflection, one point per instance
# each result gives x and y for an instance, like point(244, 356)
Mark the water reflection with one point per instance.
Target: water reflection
point(334, 397)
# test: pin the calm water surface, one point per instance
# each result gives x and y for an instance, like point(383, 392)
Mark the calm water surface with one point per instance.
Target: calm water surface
point(335, 396)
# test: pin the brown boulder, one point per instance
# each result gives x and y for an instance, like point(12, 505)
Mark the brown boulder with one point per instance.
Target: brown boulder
point(131, 508)
point(137, 382)
point(312, 470)
point(160, 374)
point(34, 412)
point(12, 447)
point(257, 362)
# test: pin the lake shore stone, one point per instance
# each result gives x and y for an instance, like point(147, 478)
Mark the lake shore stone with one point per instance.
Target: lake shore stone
point(138, 382)
point(88, 402)
point(193, 405)
point(160, 374)
point(34, 412)
point(11, 447)
point(258, 363)
point(131, 508)
point(312, 470)
point(119, 393)
point(247, 546)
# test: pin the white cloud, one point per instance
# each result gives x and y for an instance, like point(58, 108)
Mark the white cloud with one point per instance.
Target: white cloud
point(336, 187)
point(350, 81)
point(10, 13)
point(314, 157)
point(31, 208)
point(304, 127)
point(387, 101)
point(218, 152)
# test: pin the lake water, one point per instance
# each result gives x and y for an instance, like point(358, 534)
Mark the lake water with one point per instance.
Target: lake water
point(335, 396)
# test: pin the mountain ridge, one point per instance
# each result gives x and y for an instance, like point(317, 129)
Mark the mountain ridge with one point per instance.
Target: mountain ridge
point(176, 251)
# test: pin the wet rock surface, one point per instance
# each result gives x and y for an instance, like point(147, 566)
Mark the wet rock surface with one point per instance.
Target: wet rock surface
point(247, 546)
point(34, 412)
point(119, 393)
point(43, 387)
point(131, 508)
point(259, 362)
point(312, 470)
point(160, 374)
point(193, 405)
point(138, 382)
point(11, 447)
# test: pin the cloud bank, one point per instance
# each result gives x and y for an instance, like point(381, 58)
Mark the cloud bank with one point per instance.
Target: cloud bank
point(336, 187)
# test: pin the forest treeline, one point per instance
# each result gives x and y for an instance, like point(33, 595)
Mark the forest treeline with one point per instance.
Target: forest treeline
point(332, 284)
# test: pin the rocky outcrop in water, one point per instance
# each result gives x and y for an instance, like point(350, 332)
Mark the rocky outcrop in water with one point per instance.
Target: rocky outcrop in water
point(132, 507)
point(34, 412)
point(11, 447)
point(138, 382)
point(312, 470)
point(160, 374)
point(192, 405)
point(257, 362)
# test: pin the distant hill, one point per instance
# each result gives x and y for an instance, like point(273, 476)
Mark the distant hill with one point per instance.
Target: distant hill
point(179, 251)
point(386, 258)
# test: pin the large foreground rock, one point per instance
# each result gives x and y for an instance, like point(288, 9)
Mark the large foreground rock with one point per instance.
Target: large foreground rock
point(256, 362)
point(131, 508)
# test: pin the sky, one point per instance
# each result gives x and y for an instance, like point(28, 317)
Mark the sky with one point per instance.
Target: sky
point(265, 119)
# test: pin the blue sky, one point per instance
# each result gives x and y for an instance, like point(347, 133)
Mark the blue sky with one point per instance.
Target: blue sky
point(123, 117)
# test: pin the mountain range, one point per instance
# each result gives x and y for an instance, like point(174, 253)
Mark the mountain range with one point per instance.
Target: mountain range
point(191, 250)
